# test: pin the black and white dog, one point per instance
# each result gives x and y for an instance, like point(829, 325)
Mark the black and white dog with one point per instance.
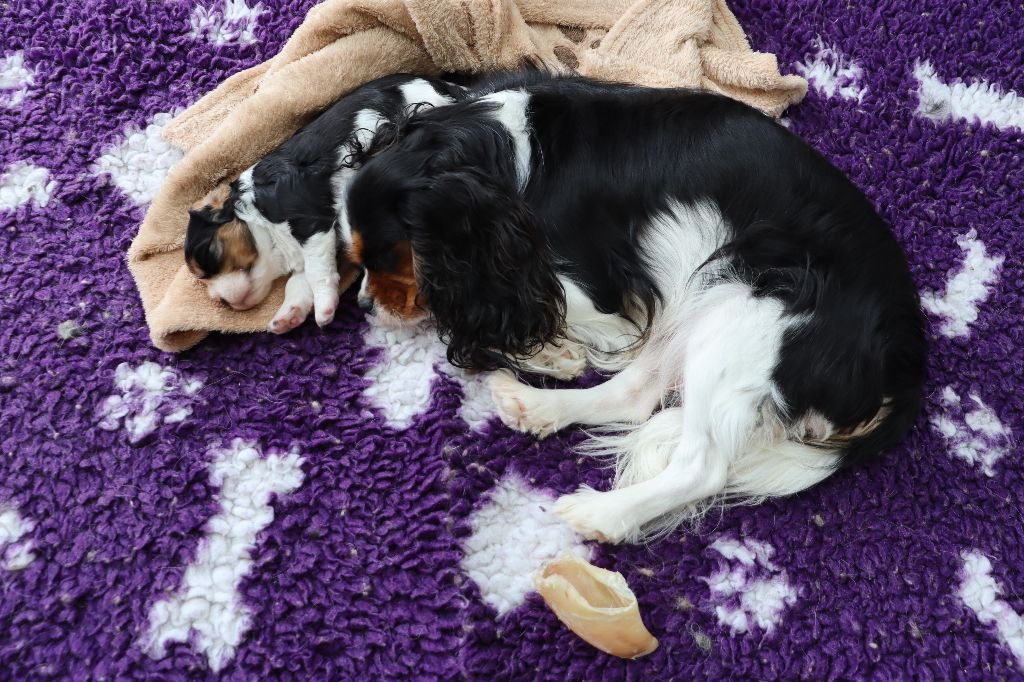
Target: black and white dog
point(764, 317)
point(280, 216)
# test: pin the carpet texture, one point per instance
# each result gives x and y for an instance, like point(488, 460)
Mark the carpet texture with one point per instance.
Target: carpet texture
point(342, 504)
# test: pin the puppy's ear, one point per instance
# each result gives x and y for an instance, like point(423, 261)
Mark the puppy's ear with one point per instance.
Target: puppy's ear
point(203, 251)
point(484, 269)
point(216, 208)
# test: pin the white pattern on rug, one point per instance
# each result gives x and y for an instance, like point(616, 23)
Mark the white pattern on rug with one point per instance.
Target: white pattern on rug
point(975, 102)
point(514, 533)
point(15, 79)
point(138, 165)
point(748, 589)
point(976, 435)
point(832, 73)
point(208, 603)
point(23, 182)
point(400, 382)
point(980, 592)
point(958, 305)
point(226, 22)
point(15, 548)
point(148, 395)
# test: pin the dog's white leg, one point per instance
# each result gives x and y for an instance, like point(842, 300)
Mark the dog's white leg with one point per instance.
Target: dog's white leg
point(298, 301)
point(678, 472)
point(629, 396)
point(320, 253)
point(695, 471)
point(728, 358)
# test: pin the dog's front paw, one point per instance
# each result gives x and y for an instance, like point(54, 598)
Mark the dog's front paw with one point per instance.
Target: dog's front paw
point(564, 362)
point(522, 407)
point(589, 513)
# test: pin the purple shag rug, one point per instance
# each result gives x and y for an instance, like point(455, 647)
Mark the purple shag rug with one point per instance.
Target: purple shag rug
point(343, 505)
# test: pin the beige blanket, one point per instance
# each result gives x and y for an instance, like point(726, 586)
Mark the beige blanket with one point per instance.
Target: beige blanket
point(344, 43)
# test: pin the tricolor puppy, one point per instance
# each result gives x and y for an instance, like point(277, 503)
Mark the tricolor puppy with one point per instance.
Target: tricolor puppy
point(776, 333)
point(280, 216)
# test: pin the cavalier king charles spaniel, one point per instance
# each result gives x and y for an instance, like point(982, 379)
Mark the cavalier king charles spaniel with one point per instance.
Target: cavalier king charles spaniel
point(762, 315)
point(279, 217)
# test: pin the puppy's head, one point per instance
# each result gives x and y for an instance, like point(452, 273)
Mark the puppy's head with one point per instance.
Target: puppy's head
point(459, 243)
point(221, 250)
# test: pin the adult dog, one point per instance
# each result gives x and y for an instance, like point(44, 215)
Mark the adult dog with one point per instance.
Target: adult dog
point(763, 314)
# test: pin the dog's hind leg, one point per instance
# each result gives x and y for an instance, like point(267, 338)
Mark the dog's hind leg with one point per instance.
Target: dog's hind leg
point(728, 354)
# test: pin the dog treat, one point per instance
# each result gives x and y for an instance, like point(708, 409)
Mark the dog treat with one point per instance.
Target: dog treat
point(595, 604)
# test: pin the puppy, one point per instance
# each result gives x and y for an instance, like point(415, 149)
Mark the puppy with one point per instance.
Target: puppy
point(764, 317)
point(279, 218)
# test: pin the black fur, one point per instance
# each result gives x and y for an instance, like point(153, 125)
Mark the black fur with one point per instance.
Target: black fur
point(606, 159)
point(293, 182)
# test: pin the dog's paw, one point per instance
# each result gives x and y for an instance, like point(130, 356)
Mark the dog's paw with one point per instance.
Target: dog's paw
point(522, 407)
point(325, 316)
point(287, 318)
point(326, 305)
point(589, 513)
point(564, 362)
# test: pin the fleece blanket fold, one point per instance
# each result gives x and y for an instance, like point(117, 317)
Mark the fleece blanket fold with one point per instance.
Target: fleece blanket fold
point(344, 43)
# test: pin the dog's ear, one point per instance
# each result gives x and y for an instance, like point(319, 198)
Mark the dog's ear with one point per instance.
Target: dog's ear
point(484, 268)
point(216, 208)
point(207, 217)
point(204, 252)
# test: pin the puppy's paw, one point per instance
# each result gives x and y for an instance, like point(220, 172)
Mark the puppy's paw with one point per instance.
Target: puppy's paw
point(522, 407)
point(325, 305)
point(325, 316)
point(591, 514)
point(287, 318)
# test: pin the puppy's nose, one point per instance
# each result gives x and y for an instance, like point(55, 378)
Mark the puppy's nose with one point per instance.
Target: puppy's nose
point(365, 302)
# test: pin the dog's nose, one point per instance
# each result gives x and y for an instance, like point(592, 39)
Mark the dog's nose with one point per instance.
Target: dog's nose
point(365, 302)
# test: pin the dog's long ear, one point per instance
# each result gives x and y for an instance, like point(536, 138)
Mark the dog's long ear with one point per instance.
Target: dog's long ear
point(484, 269)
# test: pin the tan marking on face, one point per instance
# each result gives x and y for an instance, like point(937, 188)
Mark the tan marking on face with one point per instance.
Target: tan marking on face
point(397, 292)
point(194, 268)
point(355, 252)
point(239, 248)
point(215, 199)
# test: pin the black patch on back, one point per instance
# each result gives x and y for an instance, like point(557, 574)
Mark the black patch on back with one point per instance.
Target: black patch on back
point(293, 182)
point(608, 158)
